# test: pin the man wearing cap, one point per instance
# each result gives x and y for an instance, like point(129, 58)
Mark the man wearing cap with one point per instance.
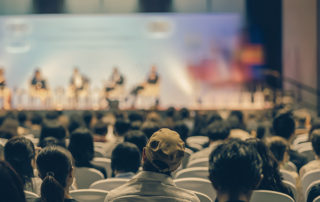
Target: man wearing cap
point(162, 155)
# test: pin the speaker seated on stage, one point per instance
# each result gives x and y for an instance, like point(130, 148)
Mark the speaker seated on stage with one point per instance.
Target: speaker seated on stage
point(38, 86)
point(150, 87)
point(114, 88)
point(4, 91)
point(79, 84)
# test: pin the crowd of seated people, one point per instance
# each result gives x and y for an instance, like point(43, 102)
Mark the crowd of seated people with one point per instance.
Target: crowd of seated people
point(41, 151)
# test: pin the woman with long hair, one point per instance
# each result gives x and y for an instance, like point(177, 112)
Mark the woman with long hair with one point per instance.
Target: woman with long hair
point(54, 164)
point(19, 152)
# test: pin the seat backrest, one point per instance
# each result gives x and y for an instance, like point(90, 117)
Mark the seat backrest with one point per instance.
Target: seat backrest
point(30, 195)
point(98, 152)
point(288, 176)
point(89, 195)
point(292, 187)
point(199, 172)
point(203, 197)
point(310, 187)
point(197, 184)
point(308, 178)
point(317, 199)
point(103, 162)
point(201, 162)
point(269, 196)
point(108, 184)
point(147, 199)
point(292, 166)
point(186, 157)
point(197, 140)
point(86, 176)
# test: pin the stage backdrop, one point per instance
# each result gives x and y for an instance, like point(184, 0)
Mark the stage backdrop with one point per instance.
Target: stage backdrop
point(193, 52)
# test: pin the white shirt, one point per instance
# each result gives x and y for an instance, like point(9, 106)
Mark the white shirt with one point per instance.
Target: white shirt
point(146, 185)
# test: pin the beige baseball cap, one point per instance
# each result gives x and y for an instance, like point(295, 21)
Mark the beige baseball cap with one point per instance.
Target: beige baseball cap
point(165, 150)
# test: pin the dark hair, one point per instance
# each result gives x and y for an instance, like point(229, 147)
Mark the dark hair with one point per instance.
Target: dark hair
point(184, 113)
point(135, 116)
point(52, 115)
point(49, 141)
point(22, 117)
point(81, 146)
point(87, 117)
point(11, 185)
point(136, 137)
point(315, 140)
point(283, 125)
point(170, 112)
point(53, 129)
point(182, 129)
point(36, 118)
point(100, 128)
point(314, 193)
point(213, 118)
point(19, 152)
point(315, 126)
point(125, 158)
point(261, 130)
point(54, 166)
point(121, 127)
point(235, 168)
point(218, 130)
point(272, 179)
point(278, 146)
point(75, 122)
point(149, 128)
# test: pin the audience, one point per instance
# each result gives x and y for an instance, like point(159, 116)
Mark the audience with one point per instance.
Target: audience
point(53, 129)
point(82, 149)
point(55, 169)
point(272, 179)
point(217, 132)
point(136, 137)
point(19, 152)
point(315, 164)
point(235, 170)
point(162, 155)
point(284, 126)
point(126, 143)
point(11, 187)
point(125, 160)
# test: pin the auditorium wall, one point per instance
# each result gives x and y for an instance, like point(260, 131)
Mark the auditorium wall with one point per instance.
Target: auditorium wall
point(300, 46)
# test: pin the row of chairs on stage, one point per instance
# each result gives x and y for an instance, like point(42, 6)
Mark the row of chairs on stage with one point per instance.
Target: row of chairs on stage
point(82, 99)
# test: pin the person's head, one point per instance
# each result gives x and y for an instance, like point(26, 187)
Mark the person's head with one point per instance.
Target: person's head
point(270, 167)
point(20, 153)
point(11, 185)
point(10, 127)
point(184, 113)
point(213, 117)
point(170, 112)
point(55, 169)
point(136, 137)
point(163, 152)
point(81, 145)
point(218, 130)
point(279, 148)
point(87, 118)
point(75, 122)
point(125, 157)
point(53, 129)
point(149, 127)
point(315, 140)
point(283, 125)
point(182, 129)
point(235, 169)
point(49, 141)
point(22, 117)
point(100, 128)
point(52, 115)
point(36, 119)
point(135, 116)
point(121, 127)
